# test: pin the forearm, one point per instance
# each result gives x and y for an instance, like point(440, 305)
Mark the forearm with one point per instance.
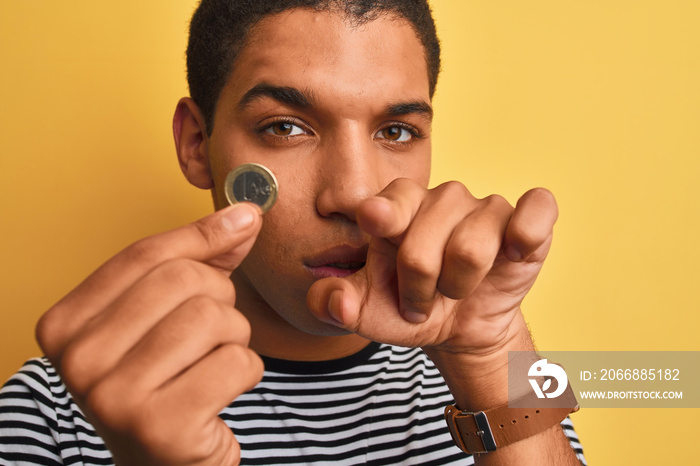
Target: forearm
point(550, 447)
point(480, 382)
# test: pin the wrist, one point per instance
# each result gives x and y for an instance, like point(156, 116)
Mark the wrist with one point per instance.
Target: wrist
point(479, 380)
point(482, 420)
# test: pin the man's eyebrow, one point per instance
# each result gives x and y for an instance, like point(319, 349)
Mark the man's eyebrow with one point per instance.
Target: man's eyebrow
point(405, 108)
point(287, 95)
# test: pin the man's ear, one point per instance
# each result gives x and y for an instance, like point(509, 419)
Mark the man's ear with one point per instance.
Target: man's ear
point(191, 143)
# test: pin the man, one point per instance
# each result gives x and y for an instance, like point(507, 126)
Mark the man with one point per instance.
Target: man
point(356, 256)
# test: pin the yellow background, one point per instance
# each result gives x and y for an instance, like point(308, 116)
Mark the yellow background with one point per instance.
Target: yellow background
point(597, 100)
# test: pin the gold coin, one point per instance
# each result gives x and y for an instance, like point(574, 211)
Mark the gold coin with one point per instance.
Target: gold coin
point(251, 182)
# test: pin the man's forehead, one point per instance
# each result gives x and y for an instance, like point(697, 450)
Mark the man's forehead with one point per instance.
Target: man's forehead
point(322, 54)
point(301, 32)
point(300, 20)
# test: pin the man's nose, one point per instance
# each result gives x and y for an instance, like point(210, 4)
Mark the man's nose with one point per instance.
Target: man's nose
point(351, 170)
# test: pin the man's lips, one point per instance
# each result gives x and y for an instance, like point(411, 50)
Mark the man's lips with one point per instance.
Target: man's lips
point(339, 261)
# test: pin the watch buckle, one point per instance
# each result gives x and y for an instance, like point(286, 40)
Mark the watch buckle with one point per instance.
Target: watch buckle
point(484, 432)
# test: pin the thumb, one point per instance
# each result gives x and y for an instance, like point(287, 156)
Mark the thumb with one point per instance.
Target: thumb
point(340, 301)
point(225, 238)
point(336, 301)
point(221, 239)
point(364, 304)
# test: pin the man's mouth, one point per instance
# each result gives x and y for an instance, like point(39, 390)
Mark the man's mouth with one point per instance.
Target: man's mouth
point(347, 265)
point(339, 261)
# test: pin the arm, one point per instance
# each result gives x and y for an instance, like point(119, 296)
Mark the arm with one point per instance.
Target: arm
point(447, 272)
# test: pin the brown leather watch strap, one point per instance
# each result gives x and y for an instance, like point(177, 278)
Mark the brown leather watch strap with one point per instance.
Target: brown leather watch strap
point(485, 431)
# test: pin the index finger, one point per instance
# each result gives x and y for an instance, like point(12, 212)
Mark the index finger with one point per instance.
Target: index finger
point(221, 239)
point(389, 213)
point(530, 229)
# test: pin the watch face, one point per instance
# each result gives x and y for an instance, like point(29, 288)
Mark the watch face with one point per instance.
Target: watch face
point(251, 182)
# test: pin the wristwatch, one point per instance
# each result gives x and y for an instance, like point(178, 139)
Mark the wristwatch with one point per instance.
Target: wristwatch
point(486, 431)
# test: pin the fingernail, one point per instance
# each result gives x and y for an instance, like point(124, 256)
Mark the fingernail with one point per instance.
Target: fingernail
point(415, 317)
point(513, 254)
point(335, 305)
point(238, 217)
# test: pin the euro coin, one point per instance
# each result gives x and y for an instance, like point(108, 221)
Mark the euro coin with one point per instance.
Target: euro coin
point(251, 182)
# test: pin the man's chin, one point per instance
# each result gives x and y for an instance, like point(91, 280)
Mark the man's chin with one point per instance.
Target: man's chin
point(311, 325)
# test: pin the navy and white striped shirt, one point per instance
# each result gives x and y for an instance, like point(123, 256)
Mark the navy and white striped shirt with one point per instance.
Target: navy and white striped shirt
point(381, 406)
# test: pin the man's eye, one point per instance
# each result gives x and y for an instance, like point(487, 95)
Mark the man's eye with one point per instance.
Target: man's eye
point(284, 129)
point(395, 134)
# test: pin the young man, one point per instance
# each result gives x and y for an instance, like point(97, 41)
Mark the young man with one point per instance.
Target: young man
point(365, 294)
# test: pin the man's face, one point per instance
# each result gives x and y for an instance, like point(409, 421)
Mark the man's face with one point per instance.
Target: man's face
point(336, 112)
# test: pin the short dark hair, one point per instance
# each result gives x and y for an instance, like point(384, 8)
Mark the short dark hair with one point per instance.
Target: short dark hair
point(219, 28)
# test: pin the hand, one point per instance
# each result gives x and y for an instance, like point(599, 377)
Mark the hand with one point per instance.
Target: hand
point(151, 347)
point(447, 272)
point(444, 270)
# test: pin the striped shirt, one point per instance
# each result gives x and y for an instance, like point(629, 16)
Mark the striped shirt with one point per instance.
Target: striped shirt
point(381, 406)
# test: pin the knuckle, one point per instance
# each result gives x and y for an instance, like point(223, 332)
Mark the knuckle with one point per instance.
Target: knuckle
point(245, 361)
point(109, 406)
point(181, 274)
point(234, 455)
point(75, 368)
point(256, 367)
point(144, 251)
point(209, 315)
point(238, 355)
point(475, 254)
point(498, 201)
point(242, 326)
point(212, 317)
point(211, 233)
point(205, 311)
point(453, 189)
point(416, 264)
point(46, 333)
